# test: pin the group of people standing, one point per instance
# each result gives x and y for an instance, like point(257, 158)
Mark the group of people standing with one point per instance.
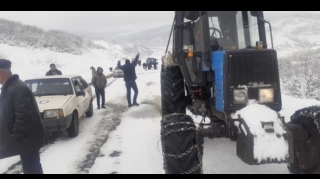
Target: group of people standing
point(99, 81)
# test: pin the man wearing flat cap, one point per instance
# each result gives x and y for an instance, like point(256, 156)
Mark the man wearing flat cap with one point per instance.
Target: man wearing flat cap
point(21, 129)
point(53, 70)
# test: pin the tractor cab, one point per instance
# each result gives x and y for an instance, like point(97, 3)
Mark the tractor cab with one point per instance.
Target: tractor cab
point(227, 51)
point(198, 33)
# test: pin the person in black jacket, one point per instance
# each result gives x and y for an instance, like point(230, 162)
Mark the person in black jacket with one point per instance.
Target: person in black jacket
point(53, 70)
point(21, 129)
point(129, 71)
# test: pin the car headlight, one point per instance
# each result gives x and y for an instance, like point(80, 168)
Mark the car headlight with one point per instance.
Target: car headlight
point(58, 113)
point(266, 95)
point(240, 96)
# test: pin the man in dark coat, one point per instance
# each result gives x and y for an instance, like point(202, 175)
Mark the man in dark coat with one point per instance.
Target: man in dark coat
point(53, 70)
point(129, 71)
point(99, 82)
point(21, 129)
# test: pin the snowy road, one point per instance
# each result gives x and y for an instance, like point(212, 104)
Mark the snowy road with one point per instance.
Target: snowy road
point(124, 141)
point(77, 155)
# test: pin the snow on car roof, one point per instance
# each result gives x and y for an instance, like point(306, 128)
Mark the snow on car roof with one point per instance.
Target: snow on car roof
point(54, 76)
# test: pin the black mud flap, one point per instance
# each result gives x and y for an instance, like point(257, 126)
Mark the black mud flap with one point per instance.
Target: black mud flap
point(247, 141)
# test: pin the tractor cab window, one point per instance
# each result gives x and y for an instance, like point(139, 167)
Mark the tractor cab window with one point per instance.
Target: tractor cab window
point(229, 30)
point(194, 35)
point(247, 30)
point(223, 31)
point(233, 29)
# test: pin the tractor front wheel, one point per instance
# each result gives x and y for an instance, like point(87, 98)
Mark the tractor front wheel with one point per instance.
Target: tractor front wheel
point(305, 129)
point(181, 151)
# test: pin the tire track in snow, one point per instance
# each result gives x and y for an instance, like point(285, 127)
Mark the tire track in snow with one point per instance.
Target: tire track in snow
point(102, 134)
point(138, 120)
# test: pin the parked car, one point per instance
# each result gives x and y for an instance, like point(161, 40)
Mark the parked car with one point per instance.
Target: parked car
point(62, 100)
point(117, 73)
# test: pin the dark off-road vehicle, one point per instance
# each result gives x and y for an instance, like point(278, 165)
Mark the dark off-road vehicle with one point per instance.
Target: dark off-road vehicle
point(152, 63)
point(222, 69)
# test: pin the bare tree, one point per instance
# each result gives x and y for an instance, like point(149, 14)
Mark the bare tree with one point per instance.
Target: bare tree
point(300, 75)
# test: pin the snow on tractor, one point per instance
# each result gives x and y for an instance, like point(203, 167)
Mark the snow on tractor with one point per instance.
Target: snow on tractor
point(221, 69)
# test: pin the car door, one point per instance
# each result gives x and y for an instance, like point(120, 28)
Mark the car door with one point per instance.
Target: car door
point(78, 87)
point(88, 92)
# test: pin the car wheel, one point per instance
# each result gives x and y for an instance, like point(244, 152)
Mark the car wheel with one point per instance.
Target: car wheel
point(73, 130)
point(89, 113)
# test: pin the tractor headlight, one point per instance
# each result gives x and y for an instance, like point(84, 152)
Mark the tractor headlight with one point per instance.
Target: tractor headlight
point(58, 113)
point(266, 95)
point(240, 96)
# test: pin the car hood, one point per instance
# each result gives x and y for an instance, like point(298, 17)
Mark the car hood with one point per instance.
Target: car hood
point(51, 102)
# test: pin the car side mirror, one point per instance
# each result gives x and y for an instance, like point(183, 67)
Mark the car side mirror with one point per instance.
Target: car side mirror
point(80, 93)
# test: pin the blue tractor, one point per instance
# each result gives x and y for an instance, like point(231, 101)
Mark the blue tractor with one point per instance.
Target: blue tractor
point(222, 70)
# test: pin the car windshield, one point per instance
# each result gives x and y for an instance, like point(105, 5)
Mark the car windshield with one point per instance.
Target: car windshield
point(46, 87)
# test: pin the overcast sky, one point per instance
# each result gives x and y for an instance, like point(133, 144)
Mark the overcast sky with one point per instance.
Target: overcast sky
point(104, 22)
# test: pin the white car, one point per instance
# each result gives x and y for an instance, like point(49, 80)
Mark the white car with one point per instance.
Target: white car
point(117, 73)
point(62, 100)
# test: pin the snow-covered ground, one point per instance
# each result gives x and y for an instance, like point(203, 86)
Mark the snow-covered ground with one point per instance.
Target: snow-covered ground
point(123, 141)
point(35, 62)
point(118, 139)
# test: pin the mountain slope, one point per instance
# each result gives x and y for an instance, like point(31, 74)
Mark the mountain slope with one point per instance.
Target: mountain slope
point(156, 37)
point(296, 32)
point(289, 34)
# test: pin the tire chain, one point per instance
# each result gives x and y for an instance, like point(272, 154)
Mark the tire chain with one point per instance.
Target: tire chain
point(183, 154)
point(310, 111)
point(188, 151)
point(180, 130)
point(177, 123)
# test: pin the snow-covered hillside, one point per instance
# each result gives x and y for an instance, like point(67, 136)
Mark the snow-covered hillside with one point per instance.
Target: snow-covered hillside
point(157, 37)
point(289, 34)
point(35, 62)
point(297, 32)
point(32, 50)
